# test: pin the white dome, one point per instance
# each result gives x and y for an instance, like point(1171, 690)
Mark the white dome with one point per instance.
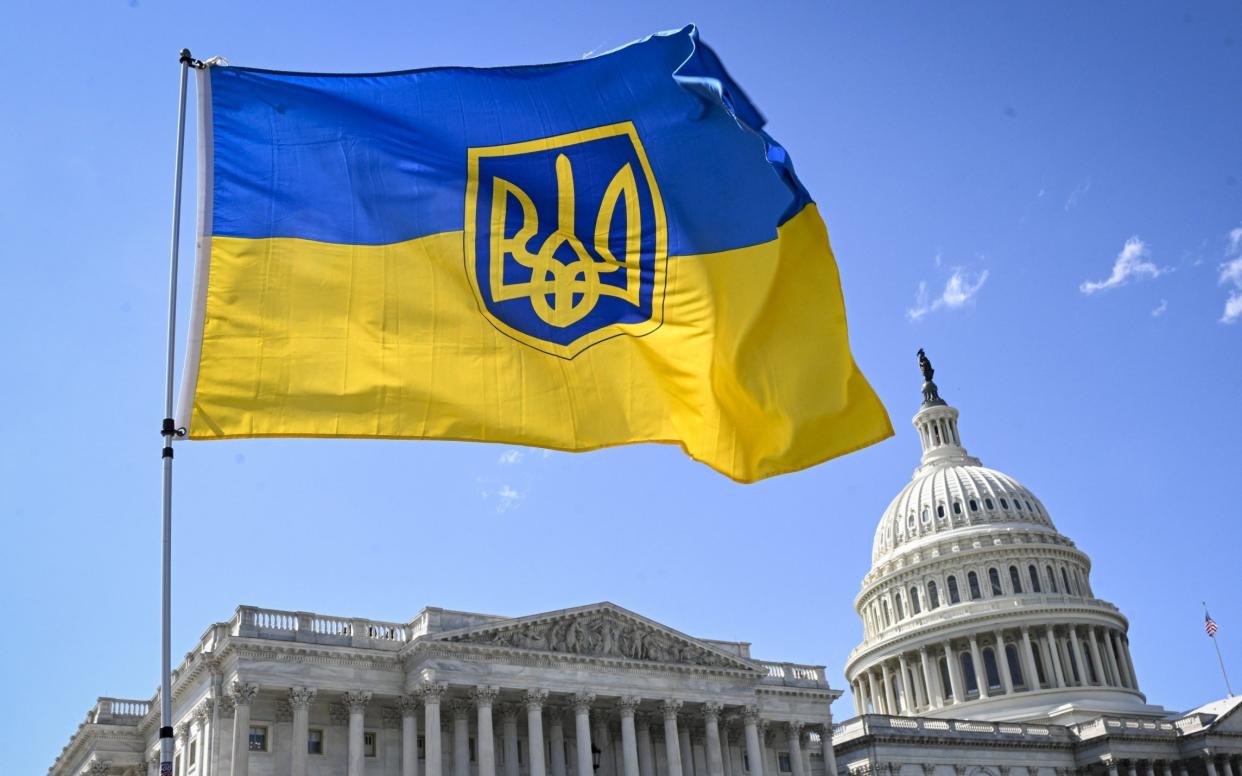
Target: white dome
point(950, 497)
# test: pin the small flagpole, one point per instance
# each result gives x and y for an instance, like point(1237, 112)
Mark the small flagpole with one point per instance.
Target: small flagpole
point(1219, 659)
point(169, 431)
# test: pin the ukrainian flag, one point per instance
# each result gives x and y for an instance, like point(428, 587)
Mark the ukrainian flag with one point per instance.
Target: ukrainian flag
point(569, 256)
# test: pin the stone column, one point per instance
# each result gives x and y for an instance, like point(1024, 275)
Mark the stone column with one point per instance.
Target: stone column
point(726, 749)
point(242, 695)
point(1110, 659)
point(711, 738)
point(922, 688)
point(460, 710)
point(1226, 763)
point(1125, 649)
point(981, 677)
point(508, 723)
point(1002, 662)
point(1119, 653)
point(1084, 675)
point(1151, 767)
point(856, 691)
point(1112, 768)
point(556, 741)
point(795, 748)
point(603, 742)
point(582, 731)
point(357, 701)
point(672, 748)
point(534, 730)
point(890, 703)
point(629, 740)
point(181, 743)
point(484, 696)
point(698, 751)
point(646, 755)
point(935, 696)
point(830, 757)
point(870, 704)
point(1028, 655)
point(687, 750)
point(1101, 674)
point(432, 692)
point(754, 752)
point(908, 703)
point(203, 715)
point(1209, 763)
point(299, 700)
point(956, 684)
point(408, 704)
point(1054, 652)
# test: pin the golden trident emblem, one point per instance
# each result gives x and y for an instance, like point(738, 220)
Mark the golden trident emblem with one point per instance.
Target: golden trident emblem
point(561, 293)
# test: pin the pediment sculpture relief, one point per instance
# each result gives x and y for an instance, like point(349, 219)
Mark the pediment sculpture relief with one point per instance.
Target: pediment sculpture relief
point(600, 634)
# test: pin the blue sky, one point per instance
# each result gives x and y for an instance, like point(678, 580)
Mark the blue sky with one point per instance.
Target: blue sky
point(1041, 194)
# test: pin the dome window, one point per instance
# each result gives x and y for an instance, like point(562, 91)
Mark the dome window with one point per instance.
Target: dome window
point(1004, 504)
point(1017, 504)
point(972, 580)
point(933, 596)
point(901, 610)
point(957, 507)
point(886, 618)
point(974, 505)
point(1034, 573)
point(955, 597)
point(926, 515)
point(988, 503)
point(968, 673)
point(991, 669)
point(994, 581)
point(915, 608)
point(1015, 579)
point(1052, 579)
point(940, 511)
point(1029, 508)
point(1065, 578)
point(1015, 665)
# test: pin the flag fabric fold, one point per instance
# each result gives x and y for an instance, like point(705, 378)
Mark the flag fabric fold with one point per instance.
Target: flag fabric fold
point(570, 256)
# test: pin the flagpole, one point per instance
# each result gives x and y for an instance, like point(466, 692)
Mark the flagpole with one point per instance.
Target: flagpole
point(1219, 659)
point(169, 431)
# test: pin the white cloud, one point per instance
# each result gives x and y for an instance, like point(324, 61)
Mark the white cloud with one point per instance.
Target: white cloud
point(1077, 194)
point(1235, 240)
point(1231, 275)
point(508, 499)
point(959, 291)
point(510, 456)
point(1160, 308)
point(1132, 263)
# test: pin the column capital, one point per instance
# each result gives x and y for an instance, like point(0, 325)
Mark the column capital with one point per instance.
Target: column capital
point(751, 713)
point(583, 700)
point(460, 709)
point(484, 695)
point(182, 731)
point(301, 697)
point(711, 711)
point(432, 692)
point(670, 707)
point(534, 699)
point(99, 767)
point(356, 700)
point(408, 704)
point(202, 712)
point(509, 712)
point(627, 704)
point(795, 727)
point(243, 693)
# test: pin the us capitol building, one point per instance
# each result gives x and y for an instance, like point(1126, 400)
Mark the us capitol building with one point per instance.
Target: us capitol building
point(984, 653)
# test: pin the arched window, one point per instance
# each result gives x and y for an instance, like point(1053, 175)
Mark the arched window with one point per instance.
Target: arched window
point(1052, 579)
point(946, 683)
point(914, 601)
point(955, 597)
point(1018, 504)
point(1004, 504)
point(990, 668)
point(940, 510)
point(886, 618)
point(988, 503)
point(933, 595)
point(974, 505)
point(972, 579)
point(1015, 579)
point(901, 610)
point(1065, 578)
point(994, 579)
point(957, 507)
point(968, 673)
point(1034, 574)
point(936, 433)
point(1015, 665)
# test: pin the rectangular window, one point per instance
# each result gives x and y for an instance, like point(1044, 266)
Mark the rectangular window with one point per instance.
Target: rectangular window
point(422, 748)
point(521, 755)
point(258, 738)
point(193, 753)
point(314, 741)
point(177, 765)
point(782, 762)
point(368, 744)
point(745, 761)
point(472, 755)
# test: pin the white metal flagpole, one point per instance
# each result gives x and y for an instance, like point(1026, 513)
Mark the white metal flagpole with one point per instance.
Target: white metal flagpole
point(1219, 659)
point(169, 431)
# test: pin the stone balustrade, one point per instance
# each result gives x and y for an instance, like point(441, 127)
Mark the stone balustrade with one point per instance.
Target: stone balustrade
point(118, 711)
point(794, 675)
point(870, 724)
point(308, 627)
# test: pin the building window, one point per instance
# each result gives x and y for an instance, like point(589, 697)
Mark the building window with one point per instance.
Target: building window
point(1091, 672)
point(746, 761)
point(1034, 574)
point(1015, 665)
point(988, 503)
point(933, 595)
point(470, 744)
point(1015, 579)
point(1065, 578)
point(1004, 504)
point(946, 681)
point(1052, 579)
point(782, 761)
point(522, 750)
point(968, 673)
point(177, 765)
point(258, 738)
point(974, 505)
point(1040, 673)
point(990, 668)
point(914, 601)
point(314, 741)
point(368, 744)
point(957, 507)
point(994, 579)
point(193, 758)
point(886, 623)
point(972, 579)
point(1017, 503)
point(940, 510)
point(422, 750)
point(901, 610)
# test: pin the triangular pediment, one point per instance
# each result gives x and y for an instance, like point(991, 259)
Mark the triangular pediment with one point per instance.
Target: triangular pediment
point(598, 631)
point(1230, 717)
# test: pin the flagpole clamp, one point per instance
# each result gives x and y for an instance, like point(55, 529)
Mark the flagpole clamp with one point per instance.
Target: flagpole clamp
point(186, 59)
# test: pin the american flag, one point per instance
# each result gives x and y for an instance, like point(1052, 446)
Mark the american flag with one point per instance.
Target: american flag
point(1209, 624)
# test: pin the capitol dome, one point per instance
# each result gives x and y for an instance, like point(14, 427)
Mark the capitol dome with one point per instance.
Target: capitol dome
point(976, 606)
